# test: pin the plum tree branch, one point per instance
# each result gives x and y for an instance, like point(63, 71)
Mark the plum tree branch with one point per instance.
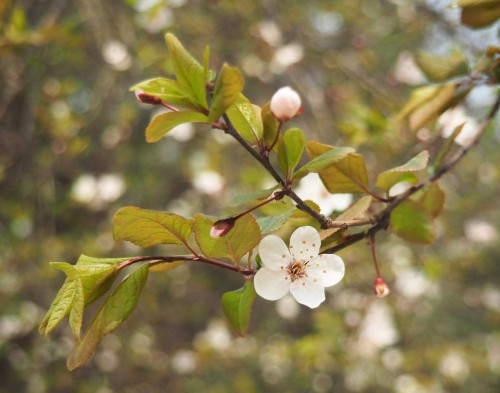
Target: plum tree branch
point(381, 219)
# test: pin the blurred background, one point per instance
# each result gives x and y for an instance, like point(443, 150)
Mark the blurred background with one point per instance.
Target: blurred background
point(72, 151)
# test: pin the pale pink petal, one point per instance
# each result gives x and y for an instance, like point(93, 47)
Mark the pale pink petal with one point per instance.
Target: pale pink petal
point(271, 285)
point(305, 243)
point(274, 253)
point(328, 269)
point(308, 292)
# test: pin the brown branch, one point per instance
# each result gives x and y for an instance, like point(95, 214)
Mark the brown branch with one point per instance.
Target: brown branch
point(382, 218)
point(159, 259)
point(264, 161)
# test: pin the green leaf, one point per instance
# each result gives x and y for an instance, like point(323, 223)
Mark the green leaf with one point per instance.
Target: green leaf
point(147, 228)
point(479, 13)
point(76, 314)
point(76, 271)
point(257, 195)
point(189, 73)
point(164, 122)
point(345, 176)
point(242, 238)
point(237, 307)
point(271, 223)
point(439, 68)
point(325, 160)
point(298, 213)
point(227, 90)
point(60, 307)
point(431, 199)
point(169, 91)
point(413, 223)
point(387, 179)
point(447, 146)
point(270, 125)
point(290, 151)
point(111, 315)
point(427, 103)
point(245, 119)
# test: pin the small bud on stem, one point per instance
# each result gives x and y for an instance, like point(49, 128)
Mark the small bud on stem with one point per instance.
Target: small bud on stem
point(222, 227)
point(381, 288)
point(147, 99)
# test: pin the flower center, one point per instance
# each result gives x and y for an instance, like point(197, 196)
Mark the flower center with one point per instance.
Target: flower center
point(296, 270)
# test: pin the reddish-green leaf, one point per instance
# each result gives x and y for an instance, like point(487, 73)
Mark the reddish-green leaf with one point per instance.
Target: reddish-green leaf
point(413, 223)
point(147, 228)
point(348, 175)
point(322, 161)
point(164, 122)
point(242, 238)
point(432, 199)
point(237, 307)
point(387, 179)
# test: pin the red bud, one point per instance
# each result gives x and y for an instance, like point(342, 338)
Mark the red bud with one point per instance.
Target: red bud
point(147, 99)
point(221, 228)
point(381, 287)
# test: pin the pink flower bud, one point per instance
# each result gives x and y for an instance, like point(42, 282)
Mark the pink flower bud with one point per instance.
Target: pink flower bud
point(381, 287)
point(221, 228)
point(146, 98)
point(286, 104)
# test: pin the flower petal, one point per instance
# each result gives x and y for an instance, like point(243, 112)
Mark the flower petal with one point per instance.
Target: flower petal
point(271, 285)
point(274, 253)
point(308, 292)
point(328, 269)
point(305, 243)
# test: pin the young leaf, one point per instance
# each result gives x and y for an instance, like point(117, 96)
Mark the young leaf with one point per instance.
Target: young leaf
point(227, 90)
point(439, 68)
point(413, 223)
point(77, 271)
point(345, 176)
point(76, 314)
point(387, 179)
point(322, 161)
point(169, 91)
point(111, 315)
point(271, 223)
point(237, 307)
point(428, 103)
point(244, 118)
point(270, 125)
point(242, 238)
point(59, 308)
point(164, 122)
point(147, 228)
point(290, 151)
point(259, 195)
point(432, 199)
point(189, 73)
point(479, 13)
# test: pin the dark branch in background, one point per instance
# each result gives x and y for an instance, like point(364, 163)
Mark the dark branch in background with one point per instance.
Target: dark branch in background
point(382, 218)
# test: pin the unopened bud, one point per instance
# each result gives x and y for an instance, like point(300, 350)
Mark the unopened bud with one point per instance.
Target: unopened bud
point(222, 227)
point(381, 287)
point(146, 98)
point(286, 104)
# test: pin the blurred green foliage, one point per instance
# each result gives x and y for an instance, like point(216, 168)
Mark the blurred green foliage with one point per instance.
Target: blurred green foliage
point(72, 151)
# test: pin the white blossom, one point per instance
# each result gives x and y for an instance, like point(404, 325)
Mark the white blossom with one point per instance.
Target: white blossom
point(299, 269)
point(286, 104)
